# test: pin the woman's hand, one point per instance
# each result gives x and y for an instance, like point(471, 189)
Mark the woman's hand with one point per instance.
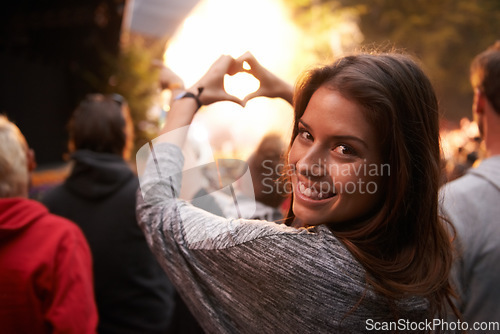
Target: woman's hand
point(183, 110)
point(169, 79)
point(270, 84)
point(213, 82)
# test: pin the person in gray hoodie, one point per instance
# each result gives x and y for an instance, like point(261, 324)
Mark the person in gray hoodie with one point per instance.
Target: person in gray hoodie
point(471, 203)
point(133, 294)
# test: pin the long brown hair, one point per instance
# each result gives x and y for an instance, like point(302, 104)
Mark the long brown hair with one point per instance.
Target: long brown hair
point(404, 246)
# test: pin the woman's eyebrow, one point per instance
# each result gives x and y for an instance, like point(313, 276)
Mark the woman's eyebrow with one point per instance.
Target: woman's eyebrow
point(338, 137)
point(304, 124)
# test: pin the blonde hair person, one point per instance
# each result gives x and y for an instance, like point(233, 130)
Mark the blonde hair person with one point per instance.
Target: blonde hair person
point(46, 281)
point(14, 157)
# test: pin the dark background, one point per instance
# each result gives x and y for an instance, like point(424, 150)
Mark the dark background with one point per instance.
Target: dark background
point(46, 47)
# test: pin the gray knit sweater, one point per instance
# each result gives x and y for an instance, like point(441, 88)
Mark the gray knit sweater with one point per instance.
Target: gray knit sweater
point(252, 276)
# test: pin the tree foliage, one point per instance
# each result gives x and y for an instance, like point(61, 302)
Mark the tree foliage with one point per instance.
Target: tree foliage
point(132, 75)
point(445, 35)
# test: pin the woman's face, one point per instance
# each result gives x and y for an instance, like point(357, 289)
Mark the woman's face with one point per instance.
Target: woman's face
point(337, 170)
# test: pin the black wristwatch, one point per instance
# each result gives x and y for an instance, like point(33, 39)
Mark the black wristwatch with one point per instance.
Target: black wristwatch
point(191, 95)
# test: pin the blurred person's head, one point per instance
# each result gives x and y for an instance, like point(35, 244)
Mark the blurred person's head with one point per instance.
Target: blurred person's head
point(102, 123)
point(485, 80)
point(266, 166)
point(373, 110)
point(16, 161)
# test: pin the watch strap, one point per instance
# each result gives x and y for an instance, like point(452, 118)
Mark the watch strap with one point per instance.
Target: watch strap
point(191, 95)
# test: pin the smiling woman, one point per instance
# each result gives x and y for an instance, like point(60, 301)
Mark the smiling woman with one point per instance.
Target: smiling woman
point(380, 254)
point(333, 136)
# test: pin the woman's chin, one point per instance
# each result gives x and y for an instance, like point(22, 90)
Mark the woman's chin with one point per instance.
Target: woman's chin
point(306, 217)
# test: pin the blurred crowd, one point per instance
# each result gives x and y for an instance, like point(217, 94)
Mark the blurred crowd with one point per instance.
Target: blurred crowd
point(81, 251)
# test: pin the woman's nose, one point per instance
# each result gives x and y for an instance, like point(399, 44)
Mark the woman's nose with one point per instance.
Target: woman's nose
point(312, 164)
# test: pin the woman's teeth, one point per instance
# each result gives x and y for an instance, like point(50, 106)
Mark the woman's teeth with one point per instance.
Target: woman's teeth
point(313, 193)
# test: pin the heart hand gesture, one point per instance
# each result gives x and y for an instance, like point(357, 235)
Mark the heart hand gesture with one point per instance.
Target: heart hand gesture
point(181, 113)
point(270, 85)
point(213, 81)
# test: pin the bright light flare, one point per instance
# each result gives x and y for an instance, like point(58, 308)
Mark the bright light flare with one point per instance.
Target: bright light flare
point(233, 27)
point(457, 144)
point(240, 84)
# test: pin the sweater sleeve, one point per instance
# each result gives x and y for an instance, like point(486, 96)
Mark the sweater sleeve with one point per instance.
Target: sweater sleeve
point(217, 264)
point(72, 306)
point(159, 209)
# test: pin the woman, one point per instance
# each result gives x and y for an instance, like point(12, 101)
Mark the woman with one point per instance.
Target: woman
point(365, 249)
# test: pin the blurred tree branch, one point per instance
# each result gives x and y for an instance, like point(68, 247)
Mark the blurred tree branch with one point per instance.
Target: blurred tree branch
point(133, 75)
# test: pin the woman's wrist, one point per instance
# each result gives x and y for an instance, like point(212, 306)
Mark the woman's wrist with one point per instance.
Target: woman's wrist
point(287, 93)
point(283, 90)
point(179, 118)
point(192, 93)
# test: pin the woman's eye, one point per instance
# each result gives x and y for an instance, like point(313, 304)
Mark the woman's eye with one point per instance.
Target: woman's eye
point(305, 135)
point(344, 150)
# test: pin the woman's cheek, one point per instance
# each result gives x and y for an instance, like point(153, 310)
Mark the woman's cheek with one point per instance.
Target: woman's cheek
point(294, 153)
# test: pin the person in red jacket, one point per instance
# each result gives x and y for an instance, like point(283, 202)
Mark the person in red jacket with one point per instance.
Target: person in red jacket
point(45, 262)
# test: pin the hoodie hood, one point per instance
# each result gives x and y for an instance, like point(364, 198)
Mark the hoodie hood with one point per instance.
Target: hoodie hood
point(17, 213)
point(488, 169)
point(97, 175)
